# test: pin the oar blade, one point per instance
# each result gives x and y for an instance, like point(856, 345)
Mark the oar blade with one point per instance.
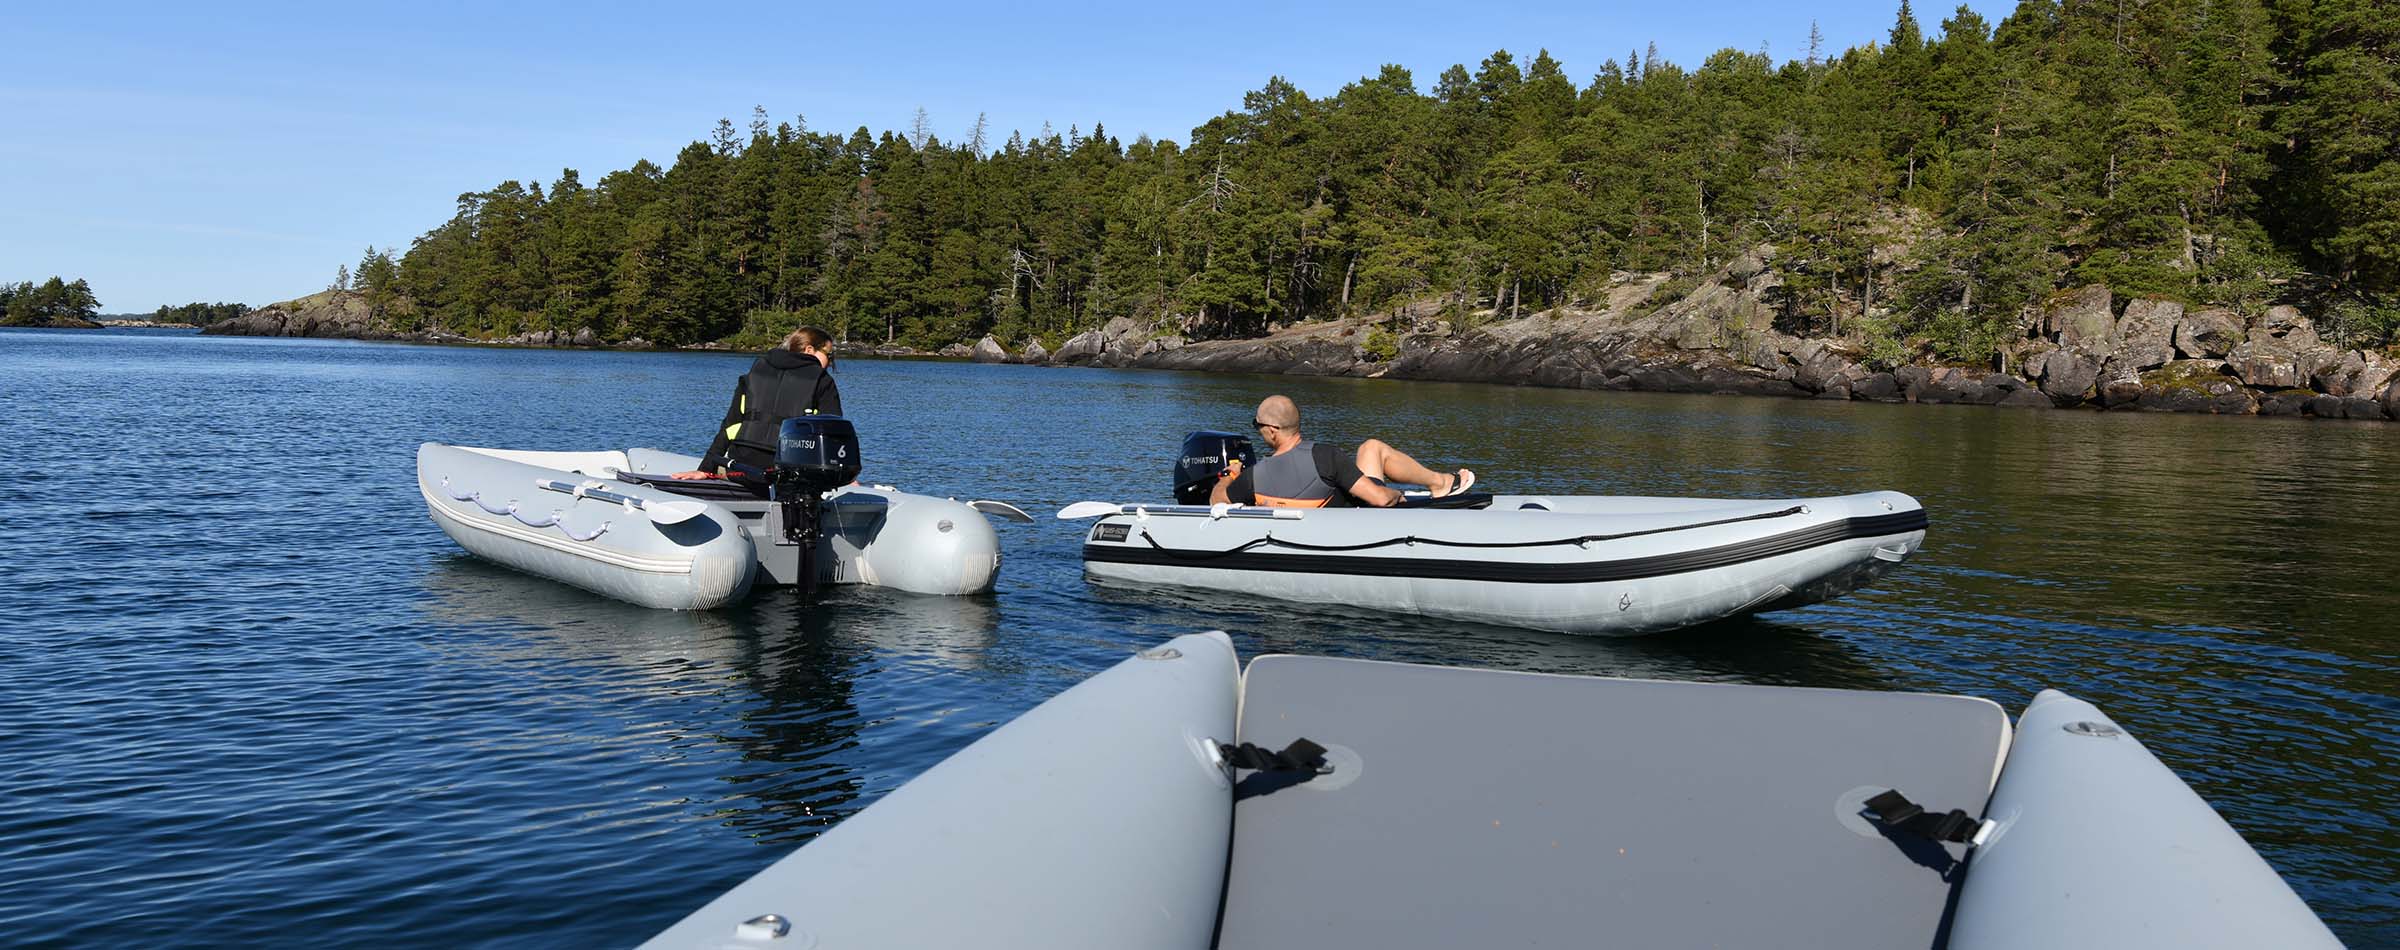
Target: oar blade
point(1088, 509)
point(1001, 509)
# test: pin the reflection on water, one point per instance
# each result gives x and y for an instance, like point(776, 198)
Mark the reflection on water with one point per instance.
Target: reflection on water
point(269, 703)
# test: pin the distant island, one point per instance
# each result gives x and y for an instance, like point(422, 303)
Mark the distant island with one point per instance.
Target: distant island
point(55, 303)
point(2185, 206)
point(60, 304)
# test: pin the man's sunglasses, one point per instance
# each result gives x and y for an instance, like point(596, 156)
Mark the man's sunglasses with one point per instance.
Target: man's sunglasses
point(1261, 424)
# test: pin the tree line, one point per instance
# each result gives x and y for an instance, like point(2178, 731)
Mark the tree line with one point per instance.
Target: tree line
point(199, 314)
point(1932, 188)
point(57, 300)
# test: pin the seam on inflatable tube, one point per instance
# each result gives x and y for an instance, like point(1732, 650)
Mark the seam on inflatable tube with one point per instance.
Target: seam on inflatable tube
point(1520, 572)
point(587, 552)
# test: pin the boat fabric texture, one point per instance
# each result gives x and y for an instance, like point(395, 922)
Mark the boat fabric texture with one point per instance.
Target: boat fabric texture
point(1094, 820)
point(1575, 564)
point(1445, 807)
point(1477, 808)
point(779, 385)
point(2115, 851)
point(490, 502)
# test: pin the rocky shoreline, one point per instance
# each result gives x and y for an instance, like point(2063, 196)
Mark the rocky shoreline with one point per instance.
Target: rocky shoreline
point(2080, 350)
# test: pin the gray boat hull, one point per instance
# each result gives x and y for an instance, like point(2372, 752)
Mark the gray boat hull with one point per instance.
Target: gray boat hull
point(1481, 808)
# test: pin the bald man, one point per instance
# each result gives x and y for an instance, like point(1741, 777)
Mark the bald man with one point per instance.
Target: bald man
point(1302, 474)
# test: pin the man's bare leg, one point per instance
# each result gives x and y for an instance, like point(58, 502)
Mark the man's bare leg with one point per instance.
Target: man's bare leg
point(1378, 460)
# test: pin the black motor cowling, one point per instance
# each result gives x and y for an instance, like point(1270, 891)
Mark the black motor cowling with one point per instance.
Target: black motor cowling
point(1204, 457)
point(815, 455)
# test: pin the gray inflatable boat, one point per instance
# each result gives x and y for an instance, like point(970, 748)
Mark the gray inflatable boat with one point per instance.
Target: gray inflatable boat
point(611, 523)
point(1169, 802)
point(1611, 566)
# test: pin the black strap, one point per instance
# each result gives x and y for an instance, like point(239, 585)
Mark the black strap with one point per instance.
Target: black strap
point(1894, 809)
point(1300, 756)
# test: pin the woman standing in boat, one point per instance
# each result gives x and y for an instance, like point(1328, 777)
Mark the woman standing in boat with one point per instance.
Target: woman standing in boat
point(793, 379)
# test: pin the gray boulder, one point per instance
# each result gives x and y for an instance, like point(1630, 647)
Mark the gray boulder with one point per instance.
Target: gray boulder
point(1913, 380)
point(1085, 347)
point(2207, 334)
point(958, 351)
point(2190, 386)
point(585, 337)
point(1816, 366)
point(2146, 334)
point(2264, 362)
point(2355, 373)
point(2123, 392)
point(2081, 318)
point(2067, 376)
point(987, 350)
point(2283, 320)
point(1881, 387)
point(2286, 402)
point(2026, 399)
point(1034, 352)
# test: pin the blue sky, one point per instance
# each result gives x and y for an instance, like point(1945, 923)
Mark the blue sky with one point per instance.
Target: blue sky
point(174, 152)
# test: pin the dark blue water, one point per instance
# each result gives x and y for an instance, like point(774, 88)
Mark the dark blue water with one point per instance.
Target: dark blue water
point(251, 696)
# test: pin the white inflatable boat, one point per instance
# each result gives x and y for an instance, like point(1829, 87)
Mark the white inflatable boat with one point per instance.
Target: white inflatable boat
point(612, 523)
point(1576, 564)
point(1169, 802)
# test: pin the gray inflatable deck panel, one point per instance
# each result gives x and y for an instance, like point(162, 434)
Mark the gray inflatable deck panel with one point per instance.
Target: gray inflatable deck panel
point(1473, 808)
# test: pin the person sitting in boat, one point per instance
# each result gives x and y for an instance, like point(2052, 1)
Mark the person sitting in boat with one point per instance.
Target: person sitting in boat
point(793, 379)
point(1299, 473)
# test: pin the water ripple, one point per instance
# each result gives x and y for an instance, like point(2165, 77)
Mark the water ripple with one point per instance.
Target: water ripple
point(249, 695)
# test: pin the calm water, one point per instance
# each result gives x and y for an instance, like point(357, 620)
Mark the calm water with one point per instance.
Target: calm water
point(249, 695)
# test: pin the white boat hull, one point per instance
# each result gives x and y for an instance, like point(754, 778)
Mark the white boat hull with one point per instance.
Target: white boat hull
point(491, 501)
point(1643, 565)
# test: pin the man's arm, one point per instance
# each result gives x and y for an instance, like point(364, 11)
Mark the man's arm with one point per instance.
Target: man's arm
point(1371, 492)
point(1233, 487)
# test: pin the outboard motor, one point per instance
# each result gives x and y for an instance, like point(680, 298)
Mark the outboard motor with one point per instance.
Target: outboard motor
point(1205, 455)
point(813, 455)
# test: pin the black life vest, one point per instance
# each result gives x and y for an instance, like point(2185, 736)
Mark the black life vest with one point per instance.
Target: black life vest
point(782, 384)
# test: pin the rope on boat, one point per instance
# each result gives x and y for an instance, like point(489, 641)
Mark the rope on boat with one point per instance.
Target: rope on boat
point(513, 510)
point(1270, 540)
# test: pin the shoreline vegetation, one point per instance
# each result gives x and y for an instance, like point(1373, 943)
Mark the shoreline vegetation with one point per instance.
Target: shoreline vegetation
point(2078, 350)
point(2190, 205)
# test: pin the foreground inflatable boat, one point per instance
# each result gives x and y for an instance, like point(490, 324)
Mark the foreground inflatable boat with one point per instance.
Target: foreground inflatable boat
point(611, 523)
point(1167, 803)
point(1575, 564)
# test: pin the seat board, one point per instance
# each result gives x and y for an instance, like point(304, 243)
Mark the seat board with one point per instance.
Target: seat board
point(1483, 808)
